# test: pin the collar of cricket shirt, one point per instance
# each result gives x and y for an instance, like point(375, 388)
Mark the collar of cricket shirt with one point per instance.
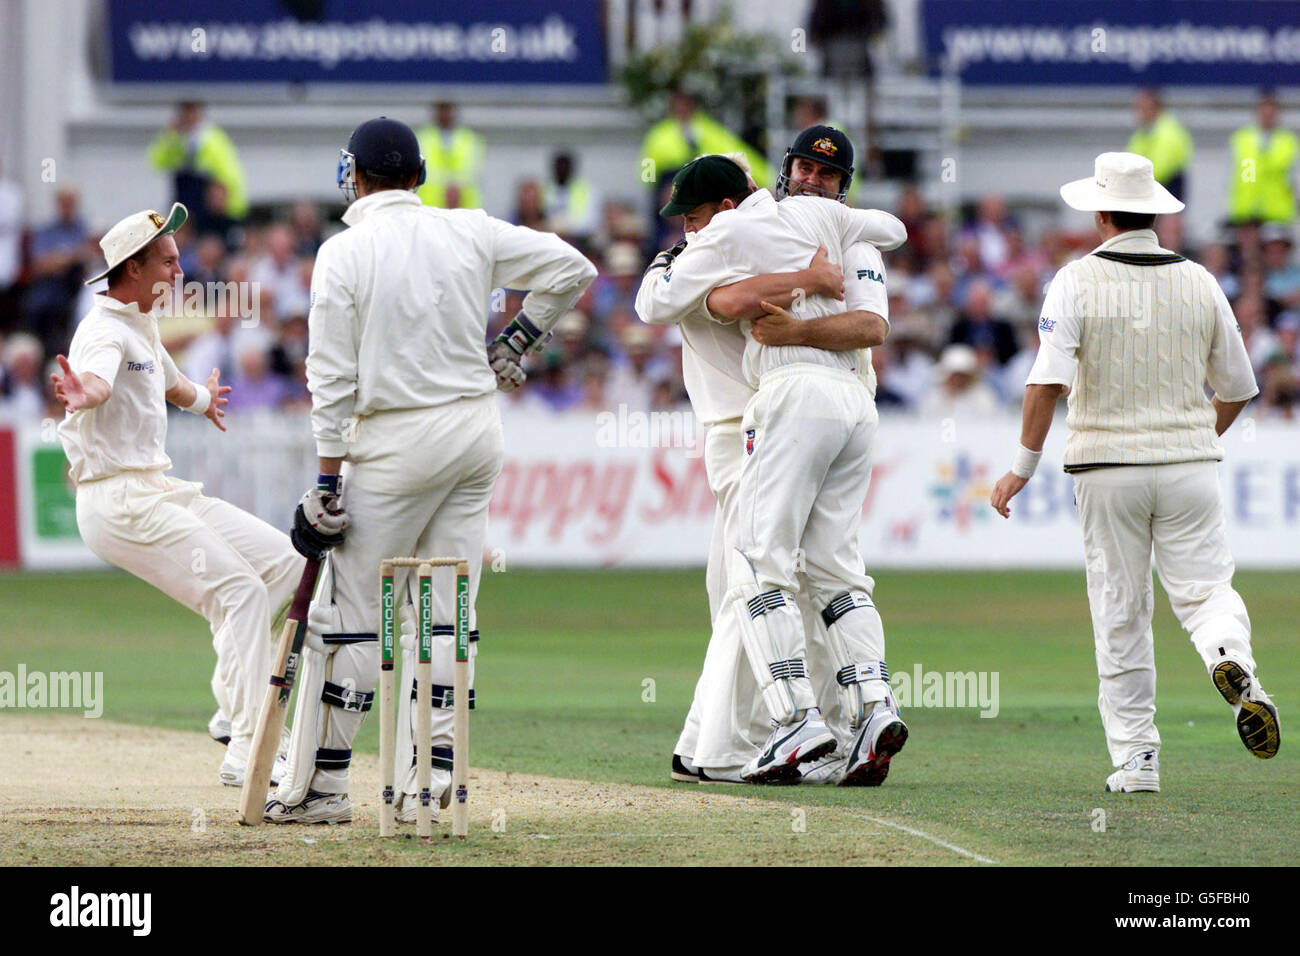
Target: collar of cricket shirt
point(1133, 240)
point(126, 310)
point(367, 205)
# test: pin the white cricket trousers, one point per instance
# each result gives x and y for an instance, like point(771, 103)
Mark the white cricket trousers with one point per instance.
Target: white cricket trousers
point(1129, 513)
point(223, 563)
point(416, 483)
point(727, 721)
point(808, 435)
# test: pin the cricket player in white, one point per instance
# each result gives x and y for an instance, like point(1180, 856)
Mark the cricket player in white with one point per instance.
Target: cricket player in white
point(232, 568)
point(410, 441)
point(807, 436)
point(1135, 332)
point(727, 723)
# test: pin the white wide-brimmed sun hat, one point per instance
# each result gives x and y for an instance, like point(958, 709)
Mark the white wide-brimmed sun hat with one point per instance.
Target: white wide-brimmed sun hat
point(136, 231)
point(1121, 182)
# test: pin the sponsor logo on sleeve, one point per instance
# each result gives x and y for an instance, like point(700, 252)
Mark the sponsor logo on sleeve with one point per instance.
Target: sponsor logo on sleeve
point(1046, 324)
point(146, 367)
point(749, 441)
point(872, 274)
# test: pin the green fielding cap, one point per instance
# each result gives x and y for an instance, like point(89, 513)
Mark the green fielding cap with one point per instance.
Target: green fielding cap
point(707, 179)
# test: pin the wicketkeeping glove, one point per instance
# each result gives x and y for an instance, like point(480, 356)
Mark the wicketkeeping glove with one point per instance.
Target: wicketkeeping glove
point(665, 259)
point(505, 364)
point(320, 521)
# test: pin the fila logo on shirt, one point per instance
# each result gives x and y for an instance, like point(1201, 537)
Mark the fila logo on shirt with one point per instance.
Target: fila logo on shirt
point(871, 274)
point(749, 441)
point(146, 367)
point(1046, 324)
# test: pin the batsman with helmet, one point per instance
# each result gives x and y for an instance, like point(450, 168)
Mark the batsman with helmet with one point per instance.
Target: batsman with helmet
point(409, 439)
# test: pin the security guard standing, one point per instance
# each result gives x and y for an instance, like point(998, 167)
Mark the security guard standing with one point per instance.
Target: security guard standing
point(198, 153)
point(1263, 165)
point(453, 157)
point(1161, 138)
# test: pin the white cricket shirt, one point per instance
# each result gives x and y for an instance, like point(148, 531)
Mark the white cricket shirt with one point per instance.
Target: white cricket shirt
point(1137, 340)
point(864, 290)
point(400, 304)
point(711, 351)
point(760, 237)
point(128, 432)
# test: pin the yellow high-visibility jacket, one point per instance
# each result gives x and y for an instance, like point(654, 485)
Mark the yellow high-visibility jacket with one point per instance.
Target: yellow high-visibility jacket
point(1166, 143)
point(214, 156)
point(668, 148)
point(1260, 186)
point(454, 161)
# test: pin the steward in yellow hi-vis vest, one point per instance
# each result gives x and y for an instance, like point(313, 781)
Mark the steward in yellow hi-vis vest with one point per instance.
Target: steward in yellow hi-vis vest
point(571, 204)
point(688, 132)
point(453, 157)
point(1163, 140)
point(197, 153)
point(1261, 185)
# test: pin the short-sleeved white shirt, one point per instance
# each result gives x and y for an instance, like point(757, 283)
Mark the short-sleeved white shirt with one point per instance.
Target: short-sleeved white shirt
point(128, 432)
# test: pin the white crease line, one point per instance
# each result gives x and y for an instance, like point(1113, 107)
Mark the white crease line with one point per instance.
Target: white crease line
point(925, 836)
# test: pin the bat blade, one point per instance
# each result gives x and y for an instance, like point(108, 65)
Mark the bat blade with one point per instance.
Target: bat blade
point(275, 705)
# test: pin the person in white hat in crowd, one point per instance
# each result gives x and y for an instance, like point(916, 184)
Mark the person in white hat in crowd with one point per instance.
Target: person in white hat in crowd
point(1134, 333)
point(235, 570)
point(961, 391)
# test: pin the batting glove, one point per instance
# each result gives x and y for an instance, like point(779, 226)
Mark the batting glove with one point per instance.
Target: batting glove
point(320, 521)
point(521, 336)
point(505, 364)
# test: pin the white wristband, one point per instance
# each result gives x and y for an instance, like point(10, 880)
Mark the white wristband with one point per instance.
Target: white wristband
point(202, 399)
point(1025, 463)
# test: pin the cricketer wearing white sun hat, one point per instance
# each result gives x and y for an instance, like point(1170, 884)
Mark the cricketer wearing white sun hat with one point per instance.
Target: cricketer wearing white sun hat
point(117, 381)
point(1121, 182)
point(136, 231)
point(1135, 332)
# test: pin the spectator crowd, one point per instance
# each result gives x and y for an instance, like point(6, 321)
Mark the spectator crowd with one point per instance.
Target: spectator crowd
point(964, 294)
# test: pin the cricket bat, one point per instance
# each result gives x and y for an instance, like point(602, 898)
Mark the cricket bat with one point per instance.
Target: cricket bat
point(270, 720)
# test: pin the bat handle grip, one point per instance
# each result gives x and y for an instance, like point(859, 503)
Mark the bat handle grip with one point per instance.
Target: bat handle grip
point(306, 586)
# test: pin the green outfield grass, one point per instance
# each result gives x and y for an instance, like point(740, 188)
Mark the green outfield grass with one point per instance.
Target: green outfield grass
point(566, 656)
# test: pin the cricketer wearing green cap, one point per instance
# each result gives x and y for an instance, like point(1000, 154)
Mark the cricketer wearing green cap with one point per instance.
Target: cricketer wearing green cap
point(709, 179)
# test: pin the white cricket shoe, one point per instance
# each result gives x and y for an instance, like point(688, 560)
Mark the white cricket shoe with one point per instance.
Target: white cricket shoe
point(827, 770)
point(408, 804)
point(788, 746)
point(1257, 722)
point(219, 728)
point(232, 770)
point(881, 736)
point(329, 808)
point(1140, 775)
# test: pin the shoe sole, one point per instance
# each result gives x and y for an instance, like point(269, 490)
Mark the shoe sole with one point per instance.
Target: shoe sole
point(1136, 788)
point(1257, 723)
point(788, 772)
point(1230, 680)
point(685, 777)
point(1258, 729)
point(875, 770)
